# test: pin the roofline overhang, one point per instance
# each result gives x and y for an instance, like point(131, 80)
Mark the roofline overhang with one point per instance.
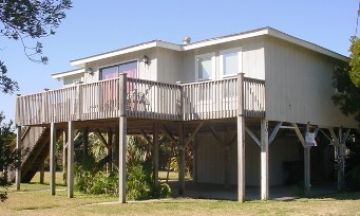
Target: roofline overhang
point(61, 75)
point(147, 45)
point(210, 42)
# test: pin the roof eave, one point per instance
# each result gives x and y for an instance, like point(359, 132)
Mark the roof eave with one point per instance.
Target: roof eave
point(306, 44)
point(81, 62)
point(61, 75)
point(167, 45)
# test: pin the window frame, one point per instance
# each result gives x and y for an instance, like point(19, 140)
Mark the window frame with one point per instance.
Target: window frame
point(222, 53)
point(117, 65)
point(213, 66)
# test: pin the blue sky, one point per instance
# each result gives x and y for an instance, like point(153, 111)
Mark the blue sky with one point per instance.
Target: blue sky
point(97, 26)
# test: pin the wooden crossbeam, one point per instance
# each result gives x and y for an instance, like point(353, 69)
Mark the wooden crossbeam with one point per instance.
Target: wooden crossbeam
point(325, 135)
point(275, 132)
point(101, 137)
point(192, 137)
point(148, 139)
point(272, 136)
point(213, 132)
point(299, 134)
point(347, 134)
point(253, 136)
point(168, 133)
point(334, 139)
point(233, 139)
point(76, 137)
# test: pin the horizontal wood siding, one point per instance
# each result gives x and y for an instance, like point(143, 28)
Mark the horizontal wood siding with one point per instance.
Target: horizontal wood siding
point(145, 99)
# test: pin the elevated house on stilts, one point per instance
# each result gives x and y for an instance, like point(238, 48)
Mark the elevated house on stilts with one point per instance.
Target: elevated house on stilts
point(253, 105)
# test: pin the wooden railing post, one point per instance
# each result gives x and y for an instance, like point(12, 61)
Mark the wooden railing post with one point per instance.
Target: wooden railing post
point(181, 146)
point(79, 102)
point(182, 99)
point(240, 140)
point(44, 108)
point(122, 137)
point(18, 109)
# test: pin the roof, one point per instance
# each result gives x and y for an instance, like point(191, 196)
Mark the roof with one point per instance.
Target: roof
point(269, 31)
point(129, 49)
point(67, 73)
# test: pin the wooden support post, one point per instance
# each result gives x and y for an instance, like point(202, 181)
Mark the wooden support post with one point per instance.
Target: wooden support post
point(240, 141)
point(156, 151)
point(122, 138)
point(64, 157)
point(52, 160)
point(307, 169)
point(181, 159)
point(264, 160)
point(307, 165)
point(307, 156)
point(18, 149)
point(41, 180)
point(70, 163)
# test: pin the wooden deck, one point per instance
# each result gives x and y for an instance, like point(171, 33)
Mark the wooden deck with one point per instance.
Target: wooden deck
point(144, 100)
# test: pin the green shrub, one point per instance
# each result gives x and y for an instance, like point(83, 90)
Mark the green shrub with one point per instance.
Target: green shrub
point(140, 183)
point(95, 182)
point(90, 177)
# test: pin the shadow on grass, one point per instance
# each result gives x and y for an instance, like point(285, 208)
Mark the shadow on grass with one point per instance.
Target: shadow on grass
point(347, 195)
point(35, 207)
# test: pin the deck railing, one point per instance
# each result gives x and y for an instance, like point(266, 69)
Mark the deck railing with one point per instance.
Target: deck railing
point(144, 99)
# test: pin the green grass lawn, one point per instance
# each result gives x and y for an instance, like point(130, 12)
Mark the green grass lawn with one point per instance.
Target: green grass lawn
point(35, 199)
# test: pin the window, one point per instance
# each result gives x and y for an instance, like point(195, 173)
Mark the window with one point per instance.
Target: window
point(230, 62)
point(130, 68)
point(204, 67)
point(109, 73)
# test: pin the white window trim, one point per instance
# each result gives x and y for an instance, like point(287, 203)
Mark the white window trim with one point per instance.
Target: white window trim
point(237, 50)
point(213, 66)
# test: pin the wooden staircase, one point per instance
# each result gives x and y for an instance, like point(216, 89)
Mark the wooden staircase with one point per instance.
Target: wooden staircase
point(35, 149)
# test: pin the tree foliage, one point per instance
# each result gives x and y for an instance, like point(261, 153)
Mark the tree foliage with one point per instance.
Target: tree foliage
point(354, 72)
point(28, 20)
point(24, 21)
point(8, 156)
point(347, 96)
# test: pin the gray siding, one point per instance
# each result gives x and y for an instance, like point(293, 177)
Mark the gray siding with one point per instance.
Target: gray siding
point(170, 66)
point(299, 86)
point(253, 63)
point(211, 160)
